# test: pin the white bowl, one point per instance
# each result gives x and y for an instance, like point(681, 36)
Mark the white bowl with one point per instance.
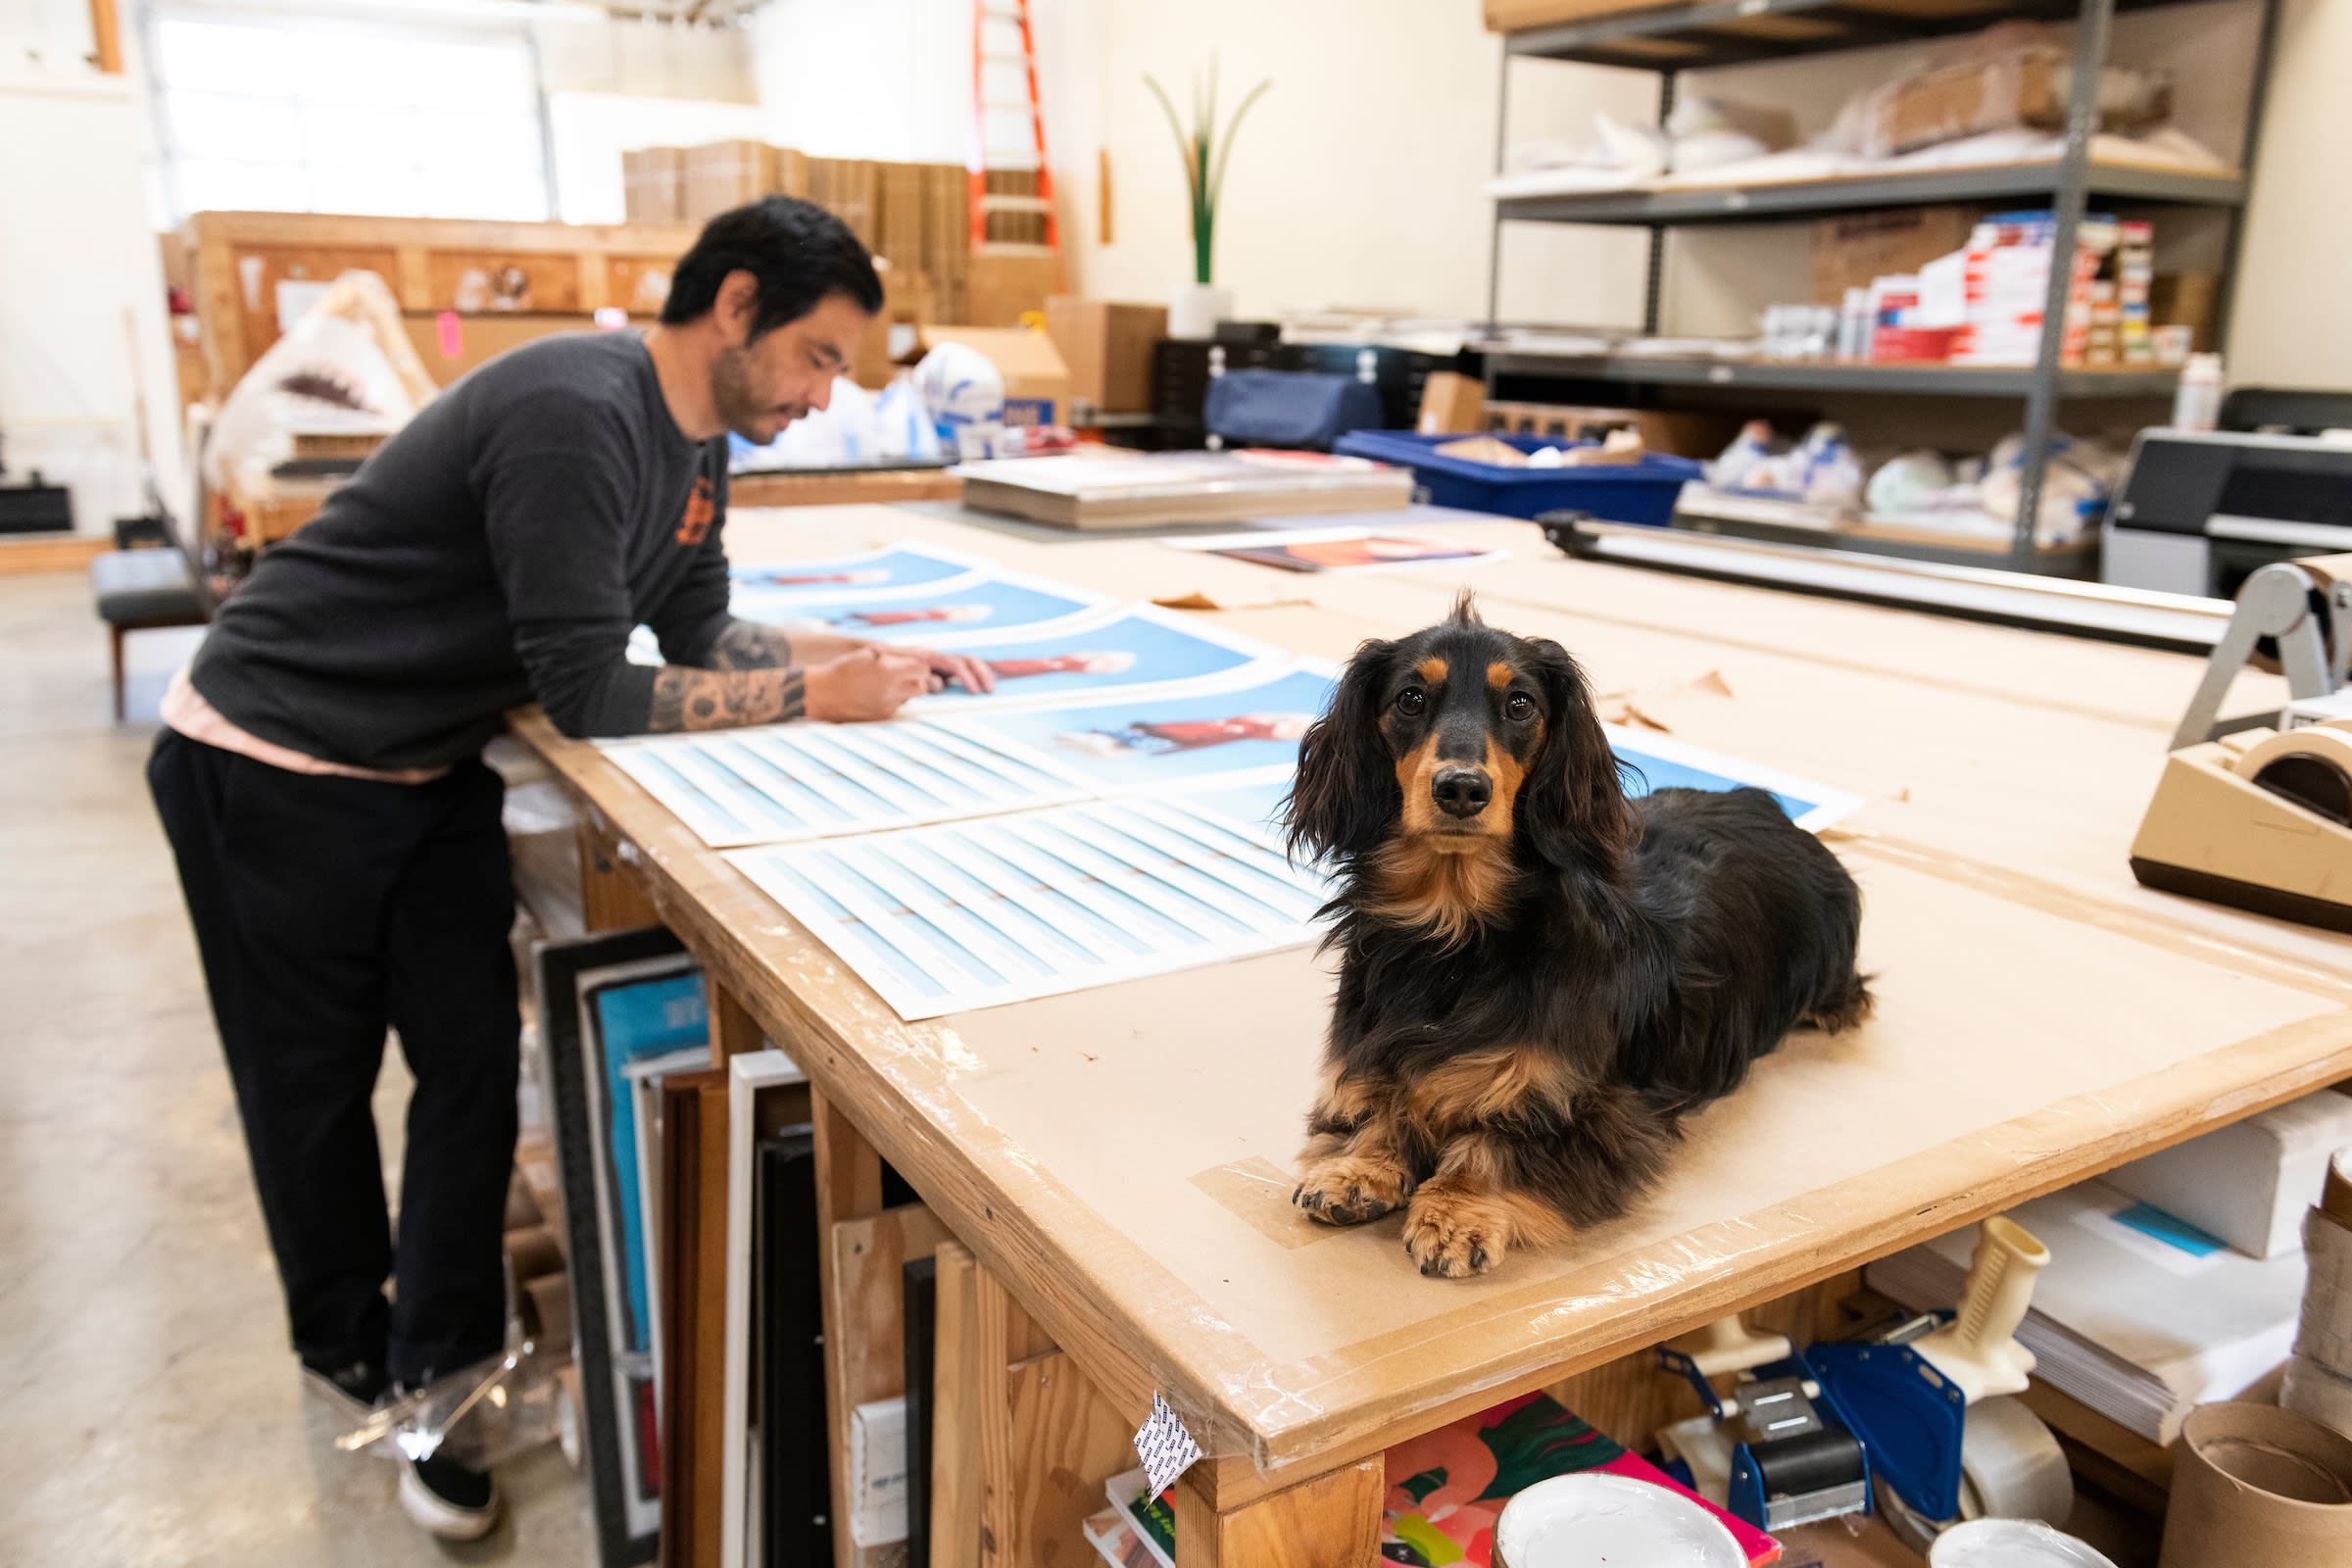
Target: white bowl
point(1605, 1521)
point(2011, 1543)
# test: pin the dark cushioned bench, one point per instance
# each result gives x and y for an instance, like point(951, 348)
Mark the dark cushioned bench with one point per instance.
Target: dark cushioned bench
point(143, 590)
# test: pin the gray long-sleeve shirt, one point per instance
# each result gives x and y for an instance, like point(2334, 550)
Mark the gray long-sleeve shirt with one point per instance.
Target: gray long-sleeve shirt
point(499, 547)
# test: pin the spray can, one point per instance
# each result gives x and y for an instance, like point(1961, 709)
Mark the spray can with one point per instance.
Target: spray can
point(2197, 401)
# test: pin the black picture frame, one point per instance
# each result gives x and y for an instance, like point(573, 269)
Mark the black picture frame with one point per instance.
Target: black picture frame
point(560, 970)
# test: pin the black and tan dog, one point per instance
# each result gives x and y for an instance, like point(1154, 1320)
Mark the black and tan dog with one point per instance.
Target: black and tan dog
point(1540, 977)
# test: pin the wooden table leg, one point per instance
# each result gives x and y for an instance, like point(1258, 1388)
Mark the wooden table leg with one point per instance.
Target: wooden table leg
point(1005, 1336)
point(849, 1186)
point(957, 1392)
point(1330, 1522)
point(733, 1029)
point(611, 899)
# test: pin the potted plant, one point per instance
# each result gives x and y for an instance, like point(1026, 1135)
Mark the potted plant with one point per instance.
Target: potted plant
point(1198, 307)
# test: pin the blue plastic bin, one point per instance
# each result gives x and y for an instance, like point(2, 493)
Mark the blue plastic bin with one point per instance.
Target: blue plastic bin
point(1640, 492)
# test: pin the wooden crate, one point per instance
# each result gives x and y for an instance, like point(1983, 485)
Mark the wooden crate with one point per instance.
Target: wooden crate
point(568, 271)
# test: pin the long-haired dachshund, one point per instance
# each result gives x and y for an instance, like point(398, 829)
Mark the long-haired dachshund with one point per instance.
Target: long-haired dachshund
point(1540, 977)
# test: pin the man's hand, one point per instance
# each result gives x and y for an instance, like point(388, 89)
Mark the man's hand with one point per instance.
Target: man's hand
point(868, 684)
point(972, 674)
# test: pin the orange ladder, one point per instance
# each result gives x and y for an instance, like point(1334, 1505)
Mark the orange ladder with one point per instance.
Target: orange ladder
point(989, 152)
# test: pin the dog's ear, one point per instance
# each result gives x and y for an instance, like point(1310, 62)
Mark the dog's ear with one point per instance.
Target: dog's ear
point(1573, 807)
point(1346, 796)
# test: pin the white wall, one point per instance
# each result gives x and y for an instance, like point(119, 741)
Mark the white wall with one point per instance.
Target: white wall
point(588, 131)
point(1355, 181)
point(889, 80)
point(2293, 324)
point(633, 60)
point(81, 289)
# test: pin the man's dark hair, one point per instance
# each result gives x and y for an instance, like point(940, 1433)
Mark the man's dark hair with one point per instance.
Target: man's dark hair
point(799, 252)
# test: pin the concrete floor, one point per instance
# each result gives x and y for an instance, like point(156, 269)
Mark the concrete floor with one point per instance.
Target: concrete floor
point(150, 1411)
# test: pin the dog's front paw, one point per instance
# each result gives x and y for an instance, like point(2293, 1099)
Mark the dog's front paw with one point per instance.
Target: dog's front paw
point(1350, 1188)
point(1454, 1235)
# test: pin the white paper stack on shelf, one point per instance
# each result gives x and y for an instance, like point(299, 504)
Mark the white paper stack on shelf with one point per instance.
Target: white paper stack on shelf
point(2139, 1315)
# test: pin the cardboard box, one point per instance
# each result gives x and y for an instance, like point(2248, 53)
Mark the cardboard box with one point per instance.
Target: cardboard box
point(1107, 348)
point(2248, 1183)
point(2020, 87)
point(1850, 250)
point(1037, 383)
point(1679, 433)
point(1517, 16)
point(849, 188)
point(907, 304)
point(1452, 405)
point(1003, 288)
point(652, 184)
point(725, 174)
point(2186, 299)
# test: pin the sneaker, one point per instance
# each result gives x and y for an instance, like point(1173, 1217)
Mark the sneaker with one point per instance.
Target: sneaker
point(356, 1387)
point(448, 1501)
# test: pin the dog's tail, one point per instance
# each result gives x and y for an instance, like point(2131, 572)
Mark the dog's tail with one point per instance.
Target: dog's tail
point(1844, 1008)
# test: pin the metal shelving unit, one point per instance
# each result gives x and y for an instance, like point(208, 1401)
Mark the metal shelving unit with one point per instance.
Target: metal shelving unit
point(1805, 198)
point(1670, 40)
point(1777, 375)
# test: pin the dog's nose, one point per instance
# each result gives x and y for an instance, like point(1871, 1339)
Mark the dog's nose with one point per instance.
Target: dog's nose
point(1461, 792)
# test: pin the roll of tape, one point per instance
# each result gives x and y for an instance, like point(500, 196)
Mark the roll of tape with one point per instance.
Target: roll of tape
point(567, 1415)
point(2011, 1467)
point(2314, 1389)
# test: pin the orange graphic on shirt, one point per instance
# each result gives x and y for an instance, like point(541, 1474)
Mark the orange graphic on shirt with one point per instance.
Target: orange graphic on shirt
point(701, 509)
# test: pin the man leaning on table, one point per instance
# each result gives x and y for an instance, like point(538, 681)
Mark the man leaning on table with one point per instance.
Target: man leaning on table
point(320, 780)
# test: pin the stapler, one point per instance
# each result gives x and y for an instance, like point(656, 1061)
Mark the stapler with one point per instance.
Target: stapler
point(2261, 819)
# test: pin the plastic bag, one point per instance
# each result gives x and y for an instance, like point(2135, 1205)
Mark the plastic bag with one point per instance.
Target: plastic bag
point(2075, 486)
point(479, 1415)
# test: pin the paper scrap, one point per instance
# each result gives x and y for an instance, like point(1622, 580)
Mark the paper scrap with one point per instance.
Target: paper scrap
point(1167, 1448)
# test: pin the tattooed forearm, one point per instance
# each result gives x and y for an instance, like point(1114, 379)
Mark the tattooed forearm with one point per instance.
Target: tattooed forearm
point(724, 699)
point(748, 645)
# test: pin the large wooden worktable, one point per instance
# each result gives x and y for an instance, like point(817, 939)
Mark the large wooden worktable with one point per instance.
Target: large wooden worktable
point(1119, 1160)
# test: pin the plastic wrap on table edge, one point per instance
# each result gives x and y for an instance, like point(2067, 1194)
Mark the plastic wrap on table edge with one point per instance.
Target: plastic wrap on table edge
point(477, 1415)
point(1284, 1405)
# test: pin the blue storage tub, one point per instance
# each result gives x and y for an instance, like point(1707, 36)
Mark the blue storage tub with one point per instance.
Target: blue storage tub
point(1640, 492)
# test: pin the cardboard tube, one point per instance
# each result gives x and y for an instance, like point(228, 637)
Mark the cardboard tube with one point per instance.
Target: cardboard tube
point(2335, 1198)
point(2255, 1484)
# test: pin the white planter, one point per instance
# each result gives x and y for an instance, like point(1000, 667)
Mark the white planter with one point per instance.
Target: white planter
point(1196, 309)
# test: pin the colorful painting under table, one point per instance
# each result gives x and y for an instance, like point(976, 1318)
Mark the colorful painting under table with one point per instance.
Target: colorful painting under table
point(617, 1013)
point(973, 914)
point(1447, 1488)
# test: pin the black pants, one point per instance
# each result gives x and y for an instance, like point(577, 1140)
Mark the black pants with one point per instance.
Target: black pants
point(326, 909)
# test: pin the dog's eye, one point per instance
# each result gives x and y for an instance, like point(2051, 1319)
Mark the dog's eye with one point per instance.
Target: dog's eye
point(1410, 700)
point(1519, 707)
